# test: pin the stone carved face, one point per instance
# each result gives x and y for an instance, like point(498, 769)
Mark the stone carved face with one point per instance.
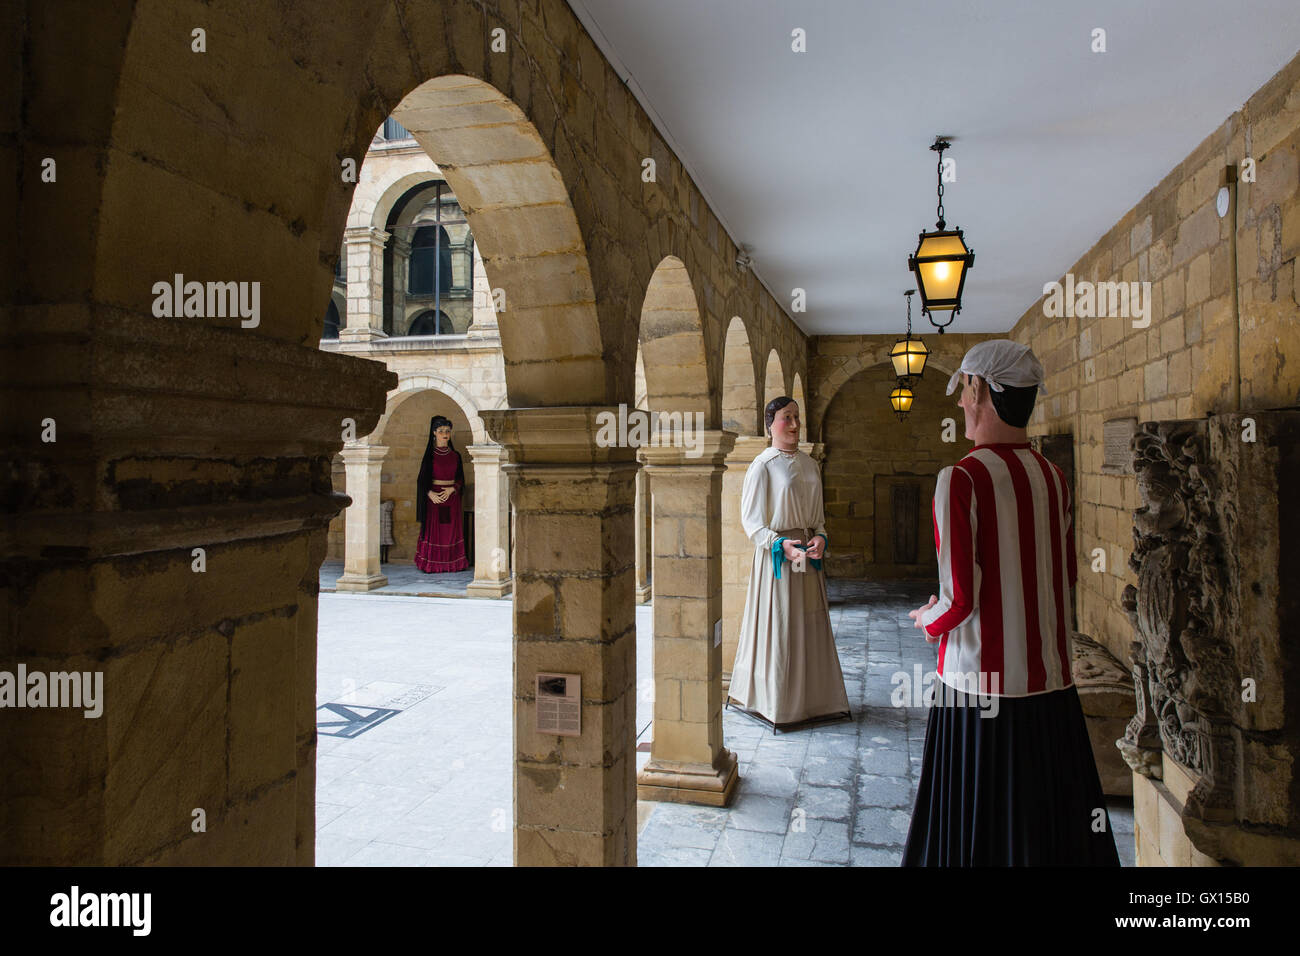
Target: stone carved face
point(1165, 508)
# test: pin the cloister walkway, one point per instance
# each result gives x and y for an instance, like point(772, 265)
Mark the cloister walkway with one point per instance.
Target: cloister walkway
point(419, 689)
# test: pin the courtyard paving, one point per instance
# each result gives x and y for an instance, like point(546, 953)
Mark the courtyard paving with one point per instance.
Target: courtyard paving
point(415, 743)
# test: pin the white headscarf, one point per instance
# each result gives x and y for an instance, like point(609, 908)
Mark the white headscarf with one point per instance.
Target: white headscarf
point(1001, 362)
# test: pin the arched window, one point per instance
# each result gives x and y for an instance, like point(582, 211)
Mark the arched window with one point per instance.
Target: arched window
point(430, 262)
point(431, 322)
point(331, 322)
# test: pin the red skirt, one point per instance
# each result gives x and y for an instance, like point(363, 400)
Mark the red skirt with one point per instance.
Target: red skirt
point(442, 539)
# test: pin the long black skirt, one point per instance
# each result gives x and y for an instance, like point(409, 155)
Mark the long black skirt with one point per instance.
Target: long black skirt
point(1016, 789)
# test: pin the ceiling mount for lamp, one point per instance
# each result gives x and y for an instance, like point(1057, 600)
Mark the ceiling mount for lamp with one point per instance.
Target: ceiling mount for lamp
point(941, 260)
point(909, 355)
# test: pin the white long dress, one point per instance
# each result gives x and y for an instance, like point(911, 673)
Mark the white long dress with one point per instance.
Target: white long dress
point(786, 667)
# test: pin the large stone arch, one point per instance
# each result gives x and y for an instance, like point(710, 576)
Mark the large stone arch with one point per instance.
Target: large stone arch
point(518, 208)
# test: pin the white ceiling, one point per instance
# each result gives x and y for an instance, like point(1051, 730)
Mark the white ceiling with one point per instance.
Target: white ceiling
point(820, 160)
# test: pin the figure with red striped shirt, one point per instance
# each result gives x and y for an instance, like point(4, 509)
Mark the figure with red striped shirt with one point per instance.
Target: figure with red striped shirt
point(1014, 783)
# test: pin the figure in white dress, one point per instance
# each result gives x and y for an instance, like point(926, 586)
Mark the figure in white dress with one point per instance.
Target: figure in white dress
point(786, 670)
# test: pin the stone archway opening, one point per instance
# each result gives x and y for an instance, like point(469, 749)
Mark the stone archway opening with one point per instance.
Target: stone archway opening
point(519, 210)
point(684, 464)
point(796, 392)
point(743, 414)
point(493, 164)
point(774, 380)
point(740, 411)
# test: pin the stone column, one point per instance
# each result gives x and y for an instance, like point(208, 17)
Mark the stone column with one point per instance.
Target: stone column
point(484, 325)
point(491, 524)
point(575, 797)
point(737, 549)
point(365, 320)
point(209, 686)
point(401, 264)
point(361, 520)
point(688, 763)
point(642, 535)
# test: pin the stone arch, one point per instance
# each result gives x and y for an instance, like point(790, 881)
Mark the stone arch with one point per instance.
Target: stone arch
point(773, 379)
point(520, 213)
point(796, 392)
point(876, 355)
point(868, 455)
point(640, 391)
point(740, 408)
point(410, 385)
point(671, 337)
point(377, 215)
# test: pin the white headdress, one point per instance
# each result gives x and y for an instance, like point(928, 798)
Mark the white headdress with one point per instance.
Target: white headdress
point(1001, 362)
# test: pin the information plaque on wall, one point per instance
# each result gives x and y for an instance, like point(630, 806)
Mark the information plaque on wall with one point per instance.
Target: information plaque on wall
point(1117, 453)
point(559, 704)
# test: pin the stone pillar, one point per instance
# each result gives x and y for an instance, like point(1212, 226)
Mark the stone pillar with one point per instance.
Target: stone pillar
point(400, 265)
point(484, 325)
point(365, 320)
point(574, 797)
point(361, 519)
point(737, 549)
point(491, 524)
point(210, 493)
point(642, 535)
point(688, 762)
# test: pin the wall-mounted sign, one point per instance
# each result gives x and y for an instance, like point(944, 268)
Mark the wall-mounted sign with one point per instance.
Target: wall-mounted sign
point(559, 704)
point(1117, 453)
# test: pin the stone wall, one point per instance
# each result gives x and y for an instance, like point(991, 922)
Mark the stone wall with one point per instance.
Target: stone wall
point(1182, 365)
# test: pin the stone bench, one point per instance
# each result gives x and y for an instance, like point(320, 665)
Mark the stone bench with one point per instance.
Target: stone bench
point(1106, 693)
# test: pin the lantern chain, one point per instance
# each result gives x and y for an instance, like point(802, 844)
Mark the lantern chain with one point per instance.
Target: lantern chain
point(939, 146)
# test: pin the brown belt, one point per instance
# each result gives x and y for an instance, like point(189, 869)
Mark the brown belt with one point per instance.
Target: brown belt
point(444, 481)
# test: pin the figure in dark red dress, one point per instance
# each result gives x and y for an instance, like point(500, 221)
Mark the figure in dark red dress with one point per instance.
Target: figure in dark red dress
point(438, 504)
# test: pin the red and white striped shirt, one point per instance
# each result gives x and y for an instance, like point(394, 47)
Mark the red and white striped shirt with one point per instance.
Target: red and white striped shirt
point(1005, 539)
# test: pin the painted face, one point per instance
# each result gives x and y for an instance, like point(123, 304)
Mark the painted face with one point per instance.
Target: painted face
point(785, 424)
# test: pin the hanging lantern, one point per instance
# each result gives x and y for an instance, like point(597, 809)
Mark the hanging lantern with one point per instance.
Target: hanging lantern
point(941, 261)
point(901, 399)
point(909, 354)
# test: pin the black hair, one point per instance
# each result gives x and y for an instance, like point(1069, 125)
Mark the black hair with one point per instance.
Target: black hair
point(438, 421)
point(1014, 404)
point(774, 406)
